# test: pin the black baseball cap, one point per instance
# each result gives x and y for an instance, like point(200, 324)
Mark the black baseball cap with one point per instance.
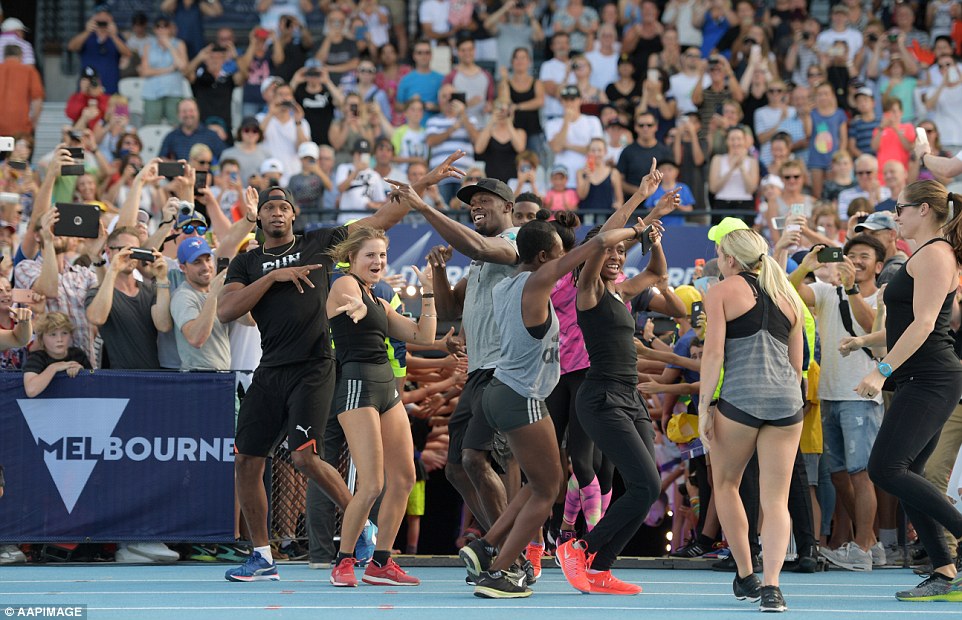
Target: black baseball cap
point(274, 193)
point(361, 146)
point(491, 186)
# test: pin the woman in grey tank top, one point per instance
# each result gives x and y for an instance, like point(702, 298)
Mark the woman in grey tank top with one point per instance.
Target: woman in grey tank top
point(514, 400)
point(755, 326)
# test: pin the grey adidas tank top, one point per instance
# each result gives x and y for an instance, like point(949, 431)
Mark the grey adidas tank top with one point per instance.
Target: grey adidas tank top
point(528, 365)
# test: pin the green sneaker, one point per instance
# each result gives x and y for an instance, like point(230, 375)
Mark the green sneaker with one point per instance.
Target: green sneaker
point(935, 588)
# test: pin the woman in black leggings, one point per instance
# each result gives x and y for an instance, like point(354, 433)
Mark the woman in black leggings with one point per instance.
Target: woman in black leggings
point(614, 417)
point(927, 375)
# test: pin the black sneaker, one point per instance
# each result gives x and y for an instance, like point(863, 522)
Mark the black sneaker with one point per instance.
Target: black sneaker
point(498, 585)
point(294, 551)
point(772, 599)
point(747, 588)
point(471, 581)
point(691, 550)
point(728, 565)
point(807, 561)
point(476, 557)
point(526, 567)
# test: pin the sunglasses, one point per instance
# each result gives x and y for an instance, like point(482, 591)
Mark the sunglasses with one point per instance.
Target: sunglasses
point(811, 75)
point(420, 52)
point(367, 70)
point(775, 91)
point(904, 205)
point(189, 229)
point(250, 130)
point(864, 172)
point(791, 177)
point(644, 124)
point(201, 162)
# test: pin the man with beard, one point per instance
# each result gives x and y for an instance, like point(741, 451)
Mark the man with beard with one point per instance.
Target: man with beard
point(284, 285)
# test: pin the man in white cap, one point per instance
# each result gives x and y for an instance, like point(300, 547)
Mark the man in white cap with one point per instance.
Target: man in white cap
point(11, 33)
point(272, 172)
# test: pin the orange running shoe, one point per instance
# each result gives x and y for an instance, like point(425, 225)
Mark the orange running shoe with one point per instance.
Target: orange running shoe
point(574, 564)
point(388, 575)
point(606, 583)
point(342, 575)
point(534, 553)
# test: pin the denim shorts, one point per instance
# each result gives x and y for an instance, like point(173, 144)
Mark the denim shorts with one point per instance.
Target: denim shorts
point(849, 428)
point(811, 461)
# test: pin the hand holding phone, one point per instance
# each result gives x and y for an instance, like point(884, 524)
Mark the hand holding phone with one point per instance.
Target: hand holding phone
point(646, 240)
point(697, 307)
point(830, 255)
point(22, 296)
point(170, 170)
point(142, 254)
point(921, 136)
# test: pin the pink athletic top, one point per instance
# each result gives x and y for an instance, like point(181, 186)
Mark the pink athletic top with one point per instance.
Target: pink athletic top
point(571, 342)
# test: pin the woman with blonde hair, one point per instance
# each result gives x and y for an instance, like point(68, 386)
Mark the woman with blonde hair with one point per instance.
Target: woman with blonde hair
point(367, 402)
point(755, 323)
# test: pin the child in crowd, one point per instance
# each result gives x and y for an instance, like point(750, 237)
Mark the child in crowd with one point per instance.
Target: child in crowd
point(54, 335)
point(558, 197)
point(828, 134)
point(669, 181)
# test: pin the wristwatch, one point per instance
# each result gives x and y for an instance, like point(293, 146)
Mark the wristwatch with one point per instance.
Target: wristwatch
point(885, 369)
point(853, 290)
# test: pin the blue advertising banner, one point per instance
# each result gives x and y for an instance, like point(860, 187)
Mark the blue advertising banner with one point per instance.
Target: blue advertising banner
point(118, 456)
point(410, 243)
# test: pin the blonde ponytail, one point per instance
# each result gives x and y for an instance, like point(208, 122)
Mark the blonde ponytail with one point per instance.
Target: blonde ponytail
point(750, 250)
point(772, 280)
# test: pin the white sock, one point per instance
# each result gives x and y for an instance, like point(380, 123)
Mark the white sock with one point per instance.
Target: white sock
point(888, 537)
point(265, 553)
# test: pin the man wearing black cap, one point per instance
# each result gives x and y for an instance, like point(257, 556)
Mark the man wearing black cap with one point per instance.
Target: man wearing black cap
point(284, 285)
point(570, 134)
point(493, 253)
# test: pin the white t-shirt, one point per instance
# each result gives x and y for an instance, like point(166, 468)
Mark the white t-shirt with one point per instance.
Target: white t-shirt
point(851, 37)
point(280, 140)
point(245, 351)
point(948, 115)
point(839, 375)
point(580, 133)
point(367, 187)
point(604, 69)
point(554, 71)
point(435, 12)
point(681, 88)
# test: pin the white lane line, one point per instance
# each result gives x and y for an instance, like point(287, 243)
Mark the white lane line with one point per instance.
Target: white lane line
point(915, 612)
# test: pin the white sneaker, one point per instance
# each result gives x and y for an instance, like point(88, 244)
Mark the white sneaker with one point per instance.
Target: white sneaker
point(146, 552)
point(878, 554)
point(850, 557)
point(318, 565)
point(11, 554)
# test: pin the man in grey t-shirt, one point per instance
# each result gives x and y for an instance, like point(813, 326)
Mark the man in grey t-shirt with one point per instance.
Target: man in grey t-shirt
point(203, 342)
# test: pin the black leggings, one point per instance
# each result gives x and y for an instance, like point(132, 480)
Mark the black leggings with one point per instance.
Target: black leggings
point(562, 405)
point(617, 421)
point(908, 435)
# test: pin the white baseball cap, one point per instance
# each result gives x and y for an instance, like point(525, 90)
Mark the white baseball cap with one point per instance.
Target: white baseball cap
point(12, 23)
point(309, 149)
point(272, 165)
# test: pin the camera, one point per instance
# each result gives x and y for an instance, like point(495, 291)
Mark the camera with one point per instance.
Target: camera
point(872, 37)
point(101, 23)
point(807, 36)
point(185, 208)
point(6, 144)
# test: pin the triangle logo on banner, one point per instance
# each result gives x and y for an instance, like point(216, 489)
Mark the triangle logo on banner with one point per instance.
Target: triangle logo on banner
point(53, 420)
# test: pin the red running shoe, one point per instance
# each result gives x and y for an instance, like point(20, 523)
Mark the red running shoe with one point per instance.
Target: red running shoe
point(388, 575)
point(606, 583)
point(342, 575)
point(574, 564)
point(534, 553)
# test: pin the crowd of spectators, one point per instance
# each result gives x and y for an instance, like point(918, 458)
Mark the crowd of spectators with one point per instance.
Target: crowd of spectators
point(796, 118)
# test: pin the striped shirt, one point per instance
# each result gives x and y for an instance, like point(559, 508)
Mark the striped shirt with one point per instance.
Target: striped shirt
point(73, 284)
point(861, 131)
point(460, 139)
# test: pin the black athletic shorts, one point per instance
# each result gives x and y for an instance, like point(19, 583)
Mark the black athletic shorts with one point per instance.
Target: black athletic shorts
point(468, 428)
point(286, 401)
point(366, 385)
point(735, 414)
point(506, 410)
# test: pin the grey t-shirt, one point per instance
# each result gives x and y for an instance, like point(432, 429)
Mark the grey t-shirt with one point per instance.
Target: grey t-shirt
point(185, 306)
point(483, 340)
point(130, 338)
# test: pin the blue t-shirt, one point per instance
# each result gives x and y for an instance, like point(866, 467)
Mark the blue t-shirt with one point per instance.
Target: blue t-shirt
point(687, 198)
point(682, 348)
point(424, 85)
point(105, 58)
point(826, 133)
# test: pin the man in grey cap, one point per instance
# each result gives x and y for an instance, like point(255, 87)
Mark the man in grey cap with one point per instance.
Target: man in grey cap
point(882, 226)
point(493, 253)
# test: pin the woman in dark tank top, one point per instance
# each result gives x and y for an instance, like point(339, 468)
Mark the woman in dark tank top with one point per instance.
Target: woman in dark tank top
point(527, 98)
point(926, 372)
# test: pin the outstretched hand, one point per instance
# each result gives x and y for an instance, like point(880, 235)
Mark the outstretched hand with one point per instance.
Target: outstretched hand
point(651, 181)
point(296, 275)
point(354, 309)
point(445, 170)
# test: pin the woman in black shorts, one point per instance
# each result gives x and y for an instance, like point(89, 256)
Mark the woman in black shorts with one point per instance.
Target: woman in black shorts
point(926, 372)
point(513, 402)
point(368, 404)
point(755, 329)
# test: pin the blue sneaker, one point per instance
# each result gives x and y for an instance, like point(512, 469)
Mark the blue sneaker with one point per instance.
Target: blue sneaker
point(364, 550)
point(256, 568)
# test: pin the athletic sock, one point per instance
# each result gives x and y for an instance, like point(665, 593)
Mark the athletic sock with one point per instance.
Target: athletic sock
point(605, 502)
point(704, 542)
point(572, 501)
point(888, 537)
point(492, 551)
point(265, 553)
point(591, 503)
point(341, 556)
point(557, 509)
point(381, 557)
